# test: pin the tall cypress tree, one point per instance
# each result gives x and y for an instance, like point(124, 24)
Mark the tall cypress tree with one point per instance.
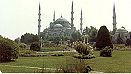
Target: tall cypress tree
point(103, 38)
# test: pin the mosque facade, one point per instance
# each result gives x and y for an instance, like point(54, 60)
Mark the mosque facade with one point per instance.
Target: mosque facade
point(120, 32)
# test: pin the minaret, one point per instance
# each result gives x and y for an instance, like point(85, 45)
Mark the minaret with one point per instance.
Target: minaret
point(114, 20)
point(39, 20)
point(81, 22)
point(72, 25)
point(54, 17)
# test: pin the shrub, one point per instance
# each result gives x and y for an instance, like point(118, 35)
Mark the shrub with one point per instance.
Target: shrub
point(77, 67)
point(8, 50)
point(83, 49)
point(106, 52)
point(35, 47)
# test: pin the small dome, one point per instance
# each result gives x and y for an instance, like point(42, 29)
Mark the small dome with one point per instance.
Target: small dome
point(122, 30)
point(58, 25)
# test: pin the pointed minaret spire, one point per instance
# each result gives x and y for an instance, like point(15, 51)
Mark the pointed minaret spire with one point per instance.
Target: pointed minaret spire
point(39, 6)
point(61, 15)
point(72, 25)
point(114, 20)
point(54, 17)
point(81, 22)
point(39, 21)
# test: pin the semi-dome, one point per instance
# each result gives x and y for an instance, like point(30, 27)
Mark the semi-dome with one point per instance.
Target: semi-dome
point(58, 25)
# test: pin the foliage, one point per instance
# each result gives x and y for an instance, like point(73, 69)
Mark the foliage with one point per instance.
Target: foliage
point(29, 38)
point(76, 36)
point(128, 42)
point(103, 38)
point(119, 40)
point(91, 32)
point(35, 47)
point(8, 50)
point(17, 40)
point(76, 67)
point(106, 52)
point(83, 49)
point(119, 63)
point(56, 40)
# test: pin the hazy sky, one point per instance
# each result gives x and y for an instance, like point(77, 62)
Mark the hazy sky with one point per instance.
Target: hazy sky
point(20, 16)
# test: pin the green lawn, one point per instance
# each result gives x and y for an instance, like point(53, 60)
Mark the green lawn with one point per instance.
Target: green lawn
point(120, 62)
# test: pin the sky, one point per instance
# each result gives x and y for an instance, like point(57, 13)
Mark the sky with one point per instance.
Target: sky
point(18, 17)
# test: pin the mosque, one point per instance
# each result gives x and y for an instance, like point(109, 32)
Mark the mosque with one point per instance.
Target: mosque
point(122, 32)
point(59, 27)
point(63, 28)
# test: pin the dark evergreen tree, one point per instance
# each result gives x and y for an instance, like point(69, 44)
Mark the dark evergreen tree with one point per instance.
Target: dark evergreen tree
point(128, 42)
point(103, 38)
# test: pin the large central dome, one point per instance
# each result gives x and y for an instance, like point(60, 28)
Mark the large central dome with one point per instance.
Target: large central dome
point(63, 22)
point(61, 19)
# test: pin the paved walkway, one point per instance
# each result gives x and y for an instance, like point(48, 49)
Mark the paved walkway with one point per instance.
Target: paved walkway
point(30, 67)
point(57, 51)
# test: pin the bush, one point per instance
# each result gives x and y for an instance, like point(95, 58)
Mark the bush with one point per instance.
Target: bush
point(8, 50)
point(83, 49)
point(106, 52)
point(77, 67)
point(35, 47)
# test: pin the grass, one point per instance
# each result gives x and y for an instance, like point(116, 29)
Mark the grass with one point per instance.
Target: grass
point(120, 62)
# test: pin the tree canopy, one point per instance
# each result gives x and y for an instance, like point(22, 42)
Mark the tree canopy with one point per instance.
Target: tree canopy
point(76, 36)
point(91, 32)
point(8, 50)
point(103, 38)
point(28, 38)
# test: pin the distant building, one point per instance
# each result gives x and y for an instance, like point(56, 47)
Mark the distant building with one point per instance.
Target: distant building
point(59, 27)
point(122, 32)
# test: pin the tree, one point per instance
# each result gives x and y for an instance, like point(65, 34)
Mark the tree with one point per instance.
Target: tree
point(29, 38)
point(8, 50)
point(119, 40)
point(103, 38)
point(76, 36)
point(91, 32)
point(56, 40)
point(128, 42)
point(17, 40)
point(35, 47)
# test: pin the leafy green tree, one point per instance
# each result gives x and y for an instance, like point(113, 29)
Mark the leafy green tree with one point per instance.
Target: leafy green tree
point(76, 36)
point(91, 32)
point(103, 38)
point(17, 40)
point(29, 38)
point(56, 40)
point(35, 47)
point(8, 50)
